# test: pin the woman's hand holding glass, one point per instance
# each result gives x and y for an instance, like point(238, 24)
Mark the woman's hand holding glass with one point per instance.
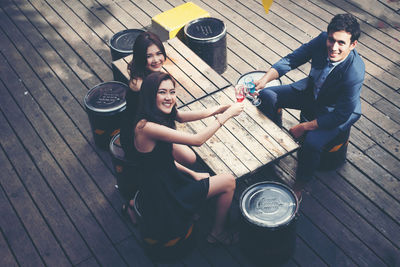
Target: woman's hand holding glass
point(235, 109)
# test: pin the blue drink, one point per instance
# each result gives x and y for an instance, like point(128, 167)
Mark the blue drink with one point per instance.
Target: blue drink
point(251, 87)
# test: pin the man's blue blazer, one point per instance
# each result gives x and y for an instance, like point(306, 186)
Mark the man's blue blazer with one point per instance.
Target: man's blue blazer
point(338, 103)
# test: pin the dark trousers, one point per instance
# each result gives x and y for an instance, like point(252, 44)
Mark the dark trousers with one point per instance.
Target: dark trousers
point(284, 96)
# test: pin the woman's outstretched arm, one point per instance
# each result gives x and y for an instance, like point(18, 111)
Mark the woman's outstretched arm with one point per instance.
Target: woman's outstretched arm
point(156, 131)
point(192, 115)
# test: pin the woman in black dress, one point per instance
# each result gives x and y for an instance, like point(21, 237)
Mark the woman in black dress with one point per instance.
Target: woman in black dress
point(148, 56)
point(171, 193)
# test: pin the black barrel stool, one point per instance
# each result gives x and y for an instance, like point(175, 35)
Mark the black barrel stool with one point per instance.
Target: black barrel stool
point(125, 170)
point(334, 153)
point(168, 249)
point(207, 38)
point(105, 104)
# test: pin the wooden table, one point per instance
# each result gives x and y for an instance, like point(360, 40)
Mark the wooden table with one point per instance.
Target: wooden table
point(245, 143)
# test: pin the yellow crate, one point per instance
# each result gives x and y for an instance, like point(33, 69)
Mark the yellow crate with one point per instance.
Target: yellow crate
point(169, 23)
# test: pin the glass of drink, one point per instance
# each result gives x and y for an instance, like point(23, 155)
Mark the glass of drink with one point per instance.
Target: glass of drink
point(240, 92)
point(251, 88)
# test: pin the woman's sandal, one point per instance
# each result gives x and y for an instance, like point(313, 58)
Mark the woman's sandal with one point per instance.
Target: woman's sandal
point(225, 238)
point(125, 211)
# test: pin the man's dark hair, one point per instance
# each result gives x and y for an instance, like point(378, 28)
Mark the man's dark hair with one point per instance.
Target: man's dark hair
point(345, 22)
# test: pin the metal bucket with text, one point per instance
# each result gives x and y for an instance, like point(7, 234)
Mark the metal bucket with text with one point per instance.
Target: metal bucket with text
point(268, 225)
point(105, 104)
point(207, 38)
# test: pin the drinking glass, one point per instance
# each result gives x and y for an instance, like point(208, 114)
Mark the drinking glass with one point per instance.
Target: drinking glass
point(240, 92)
point(251, 88)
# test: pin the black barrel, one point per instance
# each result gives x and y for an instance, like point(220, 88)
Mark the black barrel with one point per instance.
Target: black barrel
point(268, 225)
point(125, 170)
point(207, 38)
point(121, 44)
point(335, 152)
point(170, 250)
point(104, 105)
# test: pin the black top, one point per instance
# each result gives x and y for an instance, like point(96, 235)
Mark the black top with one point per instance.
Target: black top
point(128, 122)
point(169, 197)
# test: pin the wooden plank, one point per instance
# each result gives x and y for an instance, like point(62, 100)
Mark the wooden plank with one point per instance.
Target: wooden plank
point(7, 258)
point(232, 138)
point(205, 152)
point(40, 227)
point(274, 139)
point(133, 253)
point(88, 56)
point(378, 135)
point(387, 108)
point(91, 262)
point(64, 125)
point(71, 100)
point(375, 115)
point(221, 151)
point(394, 5)
point(195, 259)
point(381, 198)
point(65, 52)
point(386, 160)
point(201, 80)
point(94, 199)
point(24, 29)
point(380, 10)
point(241, 136)
point(98, 18)
point(359, 252)
point(328, 252)
point(198, 63)
point(18, 240)
point(360, 140)
point(359, 201)
point(358, 225)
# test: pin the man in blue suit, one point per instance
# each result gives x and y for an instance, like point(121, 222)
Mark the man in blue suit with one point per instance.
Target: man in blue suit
point(331, 92)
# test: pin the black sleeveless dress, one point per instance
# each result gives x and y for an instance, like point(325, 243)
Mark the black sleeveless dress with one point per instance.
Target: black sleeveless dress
point(168, 197)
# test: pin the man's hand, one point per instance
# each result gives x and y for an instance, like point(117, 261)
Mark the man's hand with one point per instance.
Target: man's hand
point(297, 131)
point(300, 129)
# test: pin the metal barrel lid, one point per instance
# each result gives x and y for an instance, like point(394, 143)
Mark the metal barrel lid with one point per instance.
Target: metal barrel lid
point(257, 74)
point(123, 41)
point(106, 98)
point(205, 29)
point(268, 204)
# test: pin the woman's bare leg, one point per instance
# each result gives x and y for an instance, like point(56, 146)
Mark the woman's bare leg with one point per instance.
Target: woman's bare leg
point(183, 154)
point(223, 186)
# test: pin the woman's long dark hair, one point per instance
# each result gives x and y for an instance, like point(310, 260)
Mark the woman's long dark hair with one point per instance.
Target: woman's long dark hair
point(147, 109)
point(137, 67)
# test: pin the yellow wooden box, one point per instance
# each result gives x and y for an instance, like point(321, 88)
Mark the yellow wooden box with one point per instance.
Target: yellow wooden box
point(168, 24)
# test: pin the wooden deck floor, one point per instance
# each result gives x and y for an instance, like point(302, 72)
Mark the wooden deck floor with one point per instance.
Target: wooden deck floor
point(59, 206)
